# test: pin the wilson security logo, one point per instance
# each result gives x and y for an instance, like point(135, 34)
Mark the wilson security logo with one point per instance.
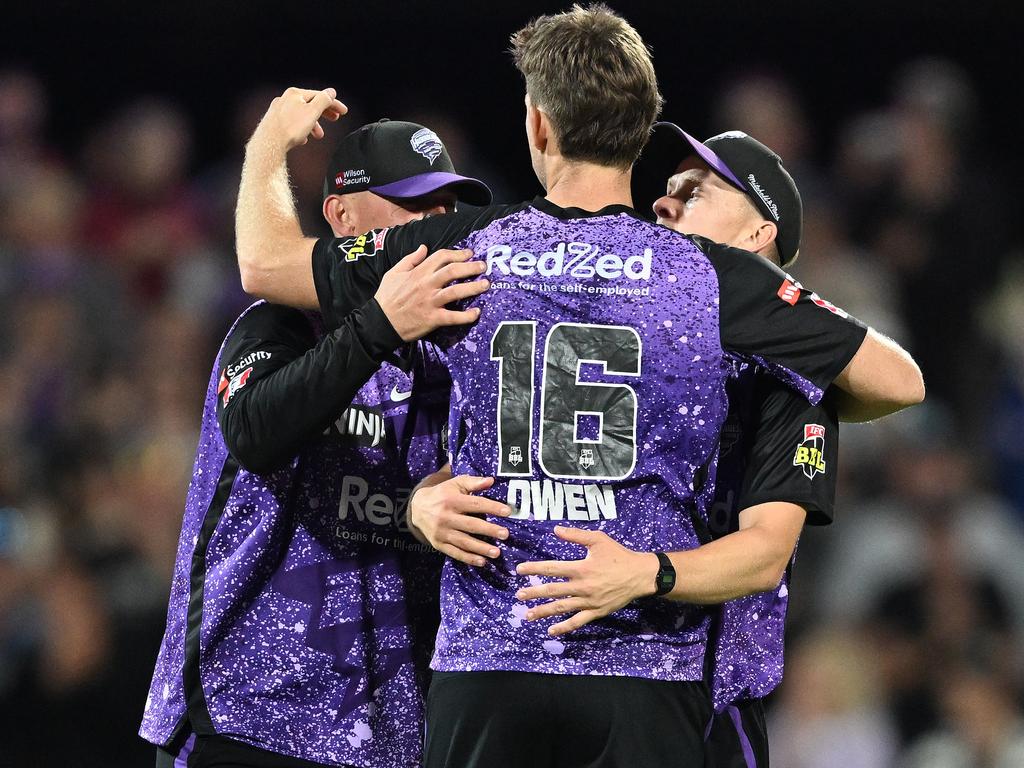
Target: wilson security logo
point(581, 261)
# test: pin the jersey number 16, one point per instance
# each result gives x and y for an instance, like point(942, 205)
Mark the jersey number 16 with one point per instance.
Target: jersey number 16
point(587, 428)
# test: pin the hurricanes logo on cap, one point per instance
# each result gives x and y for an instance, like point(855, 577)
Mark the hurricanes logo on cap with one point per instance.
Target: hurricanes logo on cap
point(426, 142)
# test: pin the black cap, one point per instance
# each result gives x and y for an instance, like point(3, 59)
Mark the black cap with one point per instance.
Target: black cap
point(742, 161)
point(393, 158)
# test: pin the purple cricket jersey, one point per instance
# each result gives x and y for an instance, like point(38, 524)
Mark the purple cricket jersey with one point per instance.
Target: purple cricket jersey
point(593, 389)
point(300, 604)
point(767, 453)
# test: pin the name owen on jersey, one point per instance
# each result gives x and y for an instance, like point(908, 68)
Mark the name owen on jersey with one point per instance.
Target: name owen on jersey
point(551, 500)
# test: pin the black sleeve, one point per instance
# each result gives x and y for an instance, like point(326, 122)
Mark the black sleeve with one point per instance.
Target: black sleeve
point(347, 270)
point(794, 454)
point(280, 388)
point(769, 319)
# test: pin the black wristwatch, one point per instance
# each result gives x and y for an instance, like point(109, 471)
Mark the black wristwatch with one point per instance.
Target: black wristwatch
point(666, 577)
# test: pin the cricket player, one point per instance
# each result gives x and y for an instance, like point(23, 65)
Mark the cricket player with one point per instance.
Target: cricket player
point(776, 469)
point(302, 613)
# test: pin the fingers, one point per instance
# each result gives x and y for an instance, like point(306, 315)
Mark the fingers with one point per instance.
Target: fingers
point(560, 569)
point(574, 622)
point(550, 590)
point(555, 608)
point(472, 484)
point(449, 273)
point(478, 505)
point(471, 545)
point(411, 260)
point(452, 317)
point(449, 256)
point(579, 535)
point(478, 527)
point(460, 291)
point(324, 101)
point(463, 557)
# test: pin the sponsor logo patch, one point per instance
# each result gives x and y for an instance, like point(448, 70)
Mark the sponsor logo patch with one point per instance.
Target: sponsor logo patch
point(363, 245)
point(578, 260)
point(351, 178)
point(765, 197)
point(426, 143)
point(810, 454)
point(229, 385)
point(235, 368)
point(789, 291)
point(398, 396)
point(359, 424)
point(828, 305)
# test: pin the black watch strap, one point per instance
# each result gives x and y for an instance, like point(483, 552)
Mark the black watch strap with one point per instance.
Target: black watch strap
point(666, 578)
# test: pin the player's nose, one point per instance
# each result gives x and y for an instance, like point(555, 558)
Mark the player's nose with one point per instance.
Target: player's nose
point(665, 207)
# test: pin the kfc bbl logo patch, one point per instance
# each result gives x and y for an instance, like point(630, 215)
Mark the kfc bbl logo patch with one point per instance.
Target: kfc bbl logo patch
point(810, 454)
point(586, 458)
point(426, 143)
point(364, 245)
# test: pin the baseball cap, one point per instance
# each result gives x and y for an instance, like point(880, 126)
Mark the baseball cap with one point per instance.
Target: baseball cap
point(393, 158)
point(742, 161)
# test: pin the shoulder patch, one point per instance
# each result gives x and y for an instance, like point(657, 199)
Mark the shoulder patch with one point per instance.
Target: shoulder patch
point(810, 453)
point(368, 244)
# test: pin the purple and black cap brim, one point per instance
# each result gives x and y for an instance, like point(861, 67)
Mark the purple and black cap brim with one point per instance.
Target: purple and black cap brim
point(467, 190)
point(705, 153)
point(668, 146)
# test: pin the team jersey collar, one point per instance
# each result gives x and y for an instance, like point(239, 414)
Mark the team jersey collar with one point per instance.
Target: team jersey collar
point(544, 205)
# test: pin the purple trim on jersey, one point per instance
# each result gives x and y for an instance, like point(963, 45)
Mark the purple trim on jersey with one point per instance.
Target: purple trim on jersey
point(748, 638)
point(315, 599)
point(424, 183)
point(708, 156)
point(748, 751)
point(805, 387)
point(181, 760)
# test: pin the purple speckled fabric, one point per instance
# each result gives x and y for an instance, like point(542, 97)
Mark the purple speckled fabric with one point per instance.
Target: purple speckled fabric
point(748, 633)
point(316, 599)
point(610, 447)
point(748, 660)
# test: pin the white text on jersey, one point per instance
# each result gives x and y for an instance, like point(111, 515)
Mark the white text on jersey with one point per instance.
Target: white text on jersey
point(548, 500)
point(577, 260)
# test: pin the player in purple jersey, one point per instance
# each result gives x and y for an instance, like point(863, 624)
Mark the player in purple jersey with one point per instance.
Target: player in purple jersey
point(593, 386)
point(302, 613)
point(777, 465)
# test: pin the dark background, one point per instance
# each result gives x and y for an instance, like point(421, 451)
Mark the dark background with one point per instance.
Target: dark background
point(97, 56)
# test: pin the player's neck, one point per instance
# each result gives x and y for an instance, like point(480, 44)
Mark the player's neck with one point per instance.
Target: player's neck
point(587, 186)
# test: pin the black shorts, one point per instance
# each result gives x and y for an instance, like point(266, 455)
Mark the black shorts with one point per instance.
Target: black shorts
point(738, 737)
point(522, 719)
point(191, 751)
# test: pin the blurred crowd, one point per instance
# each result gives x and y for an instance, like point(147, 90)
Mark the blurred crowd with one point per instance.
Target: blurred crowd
point(118, 282)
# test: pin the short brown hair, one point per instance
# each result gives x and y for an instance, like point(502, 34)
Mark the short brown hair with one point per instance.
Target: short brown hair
point(590, 72)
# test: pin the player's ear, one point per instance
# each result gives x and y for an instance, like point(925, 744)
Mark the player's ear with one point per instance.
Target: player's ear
point(337, 216)
point(762, 235)
point(537, 127)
